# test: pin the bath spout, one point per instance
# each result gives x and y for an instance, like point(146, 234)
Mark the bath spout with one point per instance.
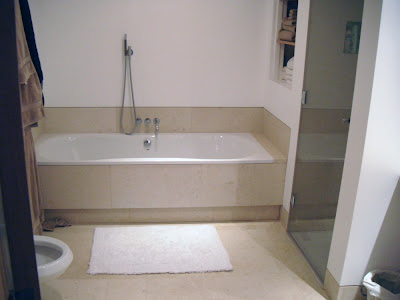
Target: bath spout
point(157, 126)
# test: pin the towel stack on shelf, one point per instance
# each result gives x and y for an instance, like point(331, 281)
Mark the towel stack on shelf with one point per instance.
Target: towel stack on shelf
point(288, 31)
point(287, 72)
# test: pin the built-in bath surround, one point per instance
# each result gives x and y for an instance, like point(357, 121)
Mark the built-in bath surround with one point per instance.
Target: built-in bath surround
point(186, 175)
point(209, 172)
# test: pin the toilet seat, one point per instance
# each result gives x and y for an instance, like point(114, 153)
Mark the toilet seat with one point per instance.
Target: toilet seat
point(52, 257)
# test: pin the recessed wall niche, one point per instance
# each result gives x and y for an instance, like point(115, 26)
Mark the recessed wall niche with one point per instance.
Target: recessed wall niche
point(285, 25)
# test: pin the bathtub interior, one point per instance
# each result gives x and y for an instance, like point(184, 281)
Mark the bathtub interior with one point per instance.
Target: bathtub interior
point(196, 148)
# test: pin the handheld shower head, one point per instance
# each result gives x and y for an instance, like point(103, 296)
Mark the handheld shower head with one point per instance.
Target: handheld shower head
point(128, 69)
point(127, 49)
point(125, 43)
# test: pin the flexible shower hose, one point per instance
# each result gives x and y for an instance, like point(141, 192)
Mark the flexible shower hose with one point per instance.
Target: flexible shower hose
point(126, 65)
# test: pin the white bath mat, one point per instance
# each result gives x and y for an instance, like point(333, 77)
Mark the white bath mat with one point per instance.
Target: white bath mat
point(157, 249)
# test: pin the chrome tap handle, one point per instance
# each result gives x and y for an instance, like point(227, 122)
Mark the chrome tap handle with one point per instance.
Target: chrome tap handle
point(147, 121)
point(147, 143)
point(138, 121)
point(157, 126)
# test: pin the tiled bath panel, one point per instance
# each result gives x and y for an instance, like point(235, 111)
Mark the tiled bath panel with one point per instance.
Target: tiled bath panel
point(75, 186)
point(196, 185)
point(163, 215)
point(161, 186)
point(266, 265)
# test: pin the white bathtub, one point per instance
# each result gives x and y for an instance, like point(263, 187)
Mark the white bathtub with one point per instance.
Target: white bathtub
point(182, 177)
point(174, 148)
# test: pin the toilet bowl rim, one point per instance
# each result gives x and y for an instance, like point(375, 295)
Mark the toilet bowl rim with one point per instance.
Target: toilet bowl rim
point(66, 253)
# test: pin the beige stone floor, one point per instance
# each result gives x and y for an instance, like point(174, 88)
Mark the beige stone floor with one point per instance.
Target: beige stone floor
point(267, 265)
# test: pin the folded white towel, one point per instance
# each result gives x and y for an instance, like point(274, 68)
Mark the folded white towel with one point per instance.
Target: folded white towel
point(289, 28)
point(287, 76)
point(290, 22)
point(290, 63)
point(289, 82)
point(288, 71)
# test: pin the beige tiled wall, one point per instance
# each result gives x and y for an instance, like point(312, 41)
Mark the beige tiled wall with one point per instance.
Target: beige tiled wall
point(270, 147)
point(173, 119)
point(324, 120)
point(80, 120)
point(161, 186)
point(277, 132)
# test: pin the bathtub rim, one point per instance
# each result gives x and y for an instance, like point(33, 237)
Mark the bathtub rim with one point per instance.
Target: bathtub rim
point(260, 139)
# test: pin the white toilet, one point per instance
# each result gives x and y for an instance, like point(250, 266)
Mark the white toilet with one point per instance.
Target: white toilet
point(52, 257)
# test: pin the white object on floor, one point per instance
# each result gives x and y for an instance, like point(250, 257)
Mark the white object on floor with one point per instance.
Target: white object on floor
point(376, 291)
point(53, 257)
point(157, 249)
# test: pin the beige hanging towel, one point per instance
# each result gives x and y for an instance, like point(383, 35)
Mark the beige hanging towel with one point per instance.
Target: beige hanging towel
point(289, 28)
point(289, 22)
point(286, 35)
point(31, 112)
point(29, 84)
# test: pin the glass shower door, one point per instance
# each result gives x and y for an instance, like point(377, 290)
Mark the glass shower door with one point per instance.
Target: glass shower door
point(329, 82)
